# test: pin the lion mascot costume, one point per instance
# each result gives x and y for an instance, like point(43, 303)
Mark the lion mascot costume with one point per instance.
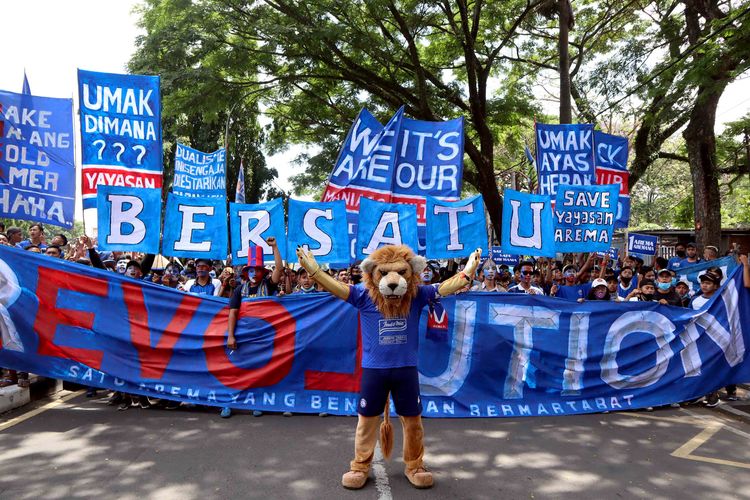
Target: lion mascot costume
point(390, 300)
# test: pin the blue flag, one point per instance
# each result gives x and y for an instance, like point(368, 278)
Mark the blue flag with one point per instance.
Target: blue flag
point(37, 164)
point(318, 227)
point(25, 88)
point(642, 244)
point(501, 355)
point(253, 224)
point(585, 218)
point(690, 274)
point(385, 224)
point(455, 229)
point(612, 168)
point(564, 155)
point(239, 192)
point(527, 224)
point(120, 132)
point(129, 219)
point(198, 174)
point(195, 227)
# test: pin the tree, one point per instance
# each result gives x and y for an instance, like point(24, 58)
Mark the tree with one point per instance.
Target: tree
point(196, 71)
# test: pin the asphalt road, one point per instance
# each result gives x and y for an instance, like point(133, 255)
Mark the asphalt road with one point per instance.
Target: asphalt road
point(83, 448)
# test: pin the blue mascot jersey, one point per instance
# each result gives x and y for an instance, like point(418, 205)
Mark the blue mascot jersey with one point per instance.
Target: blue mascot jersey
point(389, 342)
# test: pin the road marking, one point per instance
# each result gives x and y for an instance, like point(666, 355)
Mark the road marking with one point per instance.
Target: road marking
point(381, 476)
point(37, 411)
point(711, 425)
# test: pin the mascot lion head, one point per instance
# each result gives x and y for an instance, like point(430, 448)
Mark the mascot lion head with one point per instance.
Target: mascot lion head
point(391, 276)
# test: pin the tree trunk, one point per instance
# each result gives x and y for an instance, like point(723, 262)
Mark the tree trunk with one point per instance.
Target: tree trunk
point(701, 147)
point(564, 12)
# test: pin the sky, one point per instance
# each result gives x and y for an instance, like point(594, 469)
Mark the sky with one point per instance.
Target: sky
point(50, 39)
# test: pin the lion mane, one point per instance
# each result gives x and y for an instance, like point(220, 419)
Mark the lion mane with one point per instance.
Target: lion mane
point(392, 262)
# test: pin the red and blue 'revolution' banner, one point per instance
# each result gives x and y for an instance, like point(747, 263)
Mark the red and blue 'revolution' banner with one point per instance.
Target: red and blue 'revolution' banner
point(505, 355)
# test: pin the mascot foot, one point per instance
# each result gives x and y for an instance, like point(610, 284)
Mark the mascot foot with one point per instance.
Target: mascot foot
point(419, 477)
point(354, 479)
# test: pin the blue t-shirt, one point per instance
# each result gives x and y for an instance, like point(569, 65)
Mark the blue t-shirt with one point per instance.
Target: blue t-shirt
point(573, 292)
point(624, 292)
point(674, 263)
point(686, 263)
point(389, 342)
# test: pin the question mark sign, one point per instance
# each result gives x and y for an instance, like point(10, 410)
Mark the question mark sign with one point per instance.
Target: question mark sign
point(121, 147)
point(142, 153)
point(101, 149)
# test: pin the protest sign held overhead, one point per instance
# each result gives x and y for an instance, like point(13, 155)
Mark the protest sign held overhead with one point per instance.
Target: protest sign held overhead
point(528, 227)
point(612, 168)
point(499, 257)
point(320, 229)
point(642, 244)
point(385, 224)
point(195, 227)
point(252, 224)
point(37, 166)
point(584, 218)
point(120, 131)
point(453, 228)
point(564, 155)
point(129, 219)
point(199, 174)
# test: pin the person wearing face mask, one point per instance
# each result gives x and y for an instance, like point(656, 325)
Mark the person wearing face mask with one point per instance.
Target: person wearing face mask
point(612, 285)
point(665, 292)
point(679, 254)
point(257, 282)
point(644, 294)
point(599, 291)
point(626, 283)
point(203, 284)
point(305, 284)
point(356, 275)
point(683, 290)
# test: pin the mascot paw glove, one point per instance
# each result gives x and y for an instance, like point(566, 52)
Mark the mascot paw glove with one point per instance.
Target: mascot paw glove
point(307, 261)
point(473, 263)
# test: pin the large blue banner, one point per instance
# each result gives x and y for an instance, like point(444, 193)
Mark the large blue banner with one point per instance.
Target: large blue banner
point(585, 218)
point(564, 155)
point(690, 274)
point(385, 224)
point(37, 165)
point(506, 355)
point(129, 219)
point(195, 227)
point(120, 132)
point(319, 229)
point(528, 224)
point(253, 224)
point(612, 168)
point(199, 174)
point(455, 229)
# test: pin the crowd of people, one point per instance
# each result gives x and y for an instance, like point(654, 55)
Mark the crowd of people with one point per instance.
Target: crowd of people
point(578, 278)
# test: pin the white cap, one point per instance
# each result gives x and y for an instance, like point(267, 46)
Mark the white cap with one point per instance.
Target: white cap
point(598, 282)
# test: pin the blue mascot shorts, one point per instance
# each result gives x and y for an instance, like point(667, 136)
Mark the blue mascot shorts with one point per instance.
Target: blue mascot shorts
point(402, 383)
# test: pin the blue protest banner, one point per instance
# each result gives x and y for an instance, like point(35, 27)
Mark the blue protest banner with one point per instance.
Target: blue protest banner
point(642, 244)
point(455, 229)
point(585, 218)
point(120, 131)
point(691, 274)
point(500, 257)
point(385, 224)
point(199, 174)
point(196, 227)
point(612, 252)
point(506, 355)
point(612, 168)
point(37, 165)
point(129, 219)
point(319, 228)
point(528, 227)
point(252, 224)
point(564, 155)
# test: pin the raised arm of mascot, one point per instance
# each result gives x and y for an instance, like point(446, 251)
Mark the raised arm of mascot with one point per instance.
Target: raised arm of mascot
point(390, 301)
point(418, 263)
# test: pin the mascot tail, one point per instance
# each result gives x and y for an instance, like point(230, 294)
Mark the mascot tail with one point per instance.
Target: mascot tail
point(386, 430)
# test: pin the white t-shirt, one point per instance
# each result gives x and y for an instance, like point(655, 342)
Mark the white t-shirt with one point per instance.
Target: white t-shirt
point(532, 290)
point(699, 301)
point(211, 288)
